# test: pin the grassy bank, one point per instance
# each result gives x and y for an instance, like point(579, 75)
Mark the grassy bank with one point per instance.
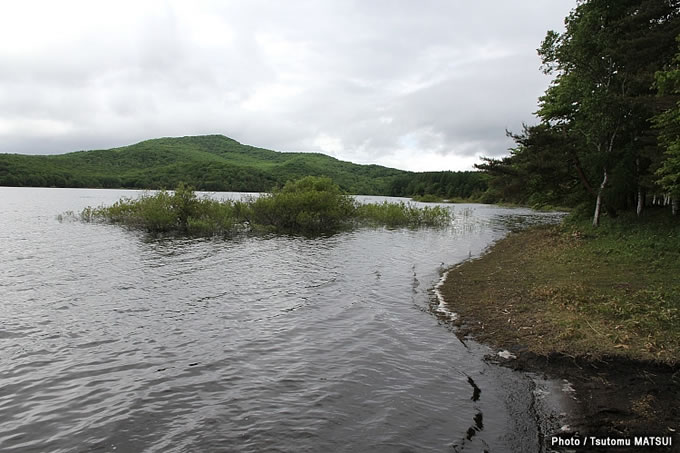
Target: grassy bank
point(308, 206)
point(575, 290)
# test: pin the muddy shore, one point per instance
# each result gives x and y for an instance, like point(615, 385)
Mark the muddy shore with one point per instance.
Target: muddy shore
point(622, 389)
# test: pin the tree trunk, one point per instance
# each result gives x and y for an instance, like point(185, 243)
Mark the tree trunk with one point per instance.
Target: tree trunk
point(598, 203)
point(675, 205)
point(640, 201)
point(582, 176)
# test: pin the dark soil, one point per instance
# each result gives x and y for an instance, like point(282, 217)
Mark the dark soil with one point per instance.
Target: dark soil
point(615, 397)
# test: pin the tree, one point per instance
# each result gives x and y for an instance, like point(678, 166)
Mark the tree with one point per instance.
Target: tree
point(668, 122)
point(538, 170)
point(602, 92)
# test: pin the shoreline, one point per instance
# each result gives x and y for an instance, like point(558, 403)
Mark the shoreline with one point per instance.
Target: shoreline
point(621, 389)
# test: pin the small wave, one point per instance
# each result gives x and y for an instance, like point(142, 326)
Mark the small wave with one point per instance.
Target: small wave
point(442, 307)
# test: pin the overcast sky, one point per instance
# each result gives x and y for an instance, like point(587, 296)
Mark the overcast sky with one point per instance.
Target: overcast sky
point(417, 85)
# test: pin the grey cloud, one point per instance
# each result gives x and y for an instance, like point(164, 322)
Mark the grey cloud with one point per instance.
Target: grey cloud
point(370, 78)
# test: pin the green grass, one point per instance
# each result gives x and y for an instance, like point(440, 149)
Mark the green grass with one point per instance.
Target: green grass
point(630, 267)
point(402, 214)
point(308, 206)
point(578, 290)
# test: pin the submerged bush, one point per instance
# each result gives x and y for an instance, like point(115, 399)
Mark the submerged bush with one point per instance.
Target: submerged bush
point(165, 212)
point(310, 205)
point(402, 214)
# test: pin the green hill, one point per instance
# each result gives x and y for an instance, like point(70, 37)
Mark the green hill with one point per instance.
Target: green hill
point(210, 162)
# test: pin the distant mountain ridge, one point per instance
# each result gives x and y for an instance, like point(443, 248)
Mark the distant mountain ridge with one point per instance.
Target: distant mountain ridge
point(208, 162)
point(215, 163)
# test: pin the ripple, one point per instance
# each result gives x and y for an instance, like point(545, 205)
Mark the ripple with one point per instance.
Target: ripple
point(113, 340)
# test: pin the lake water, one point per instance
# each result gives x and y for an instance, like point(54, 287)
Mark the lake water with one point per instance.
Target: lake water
point(111, 340)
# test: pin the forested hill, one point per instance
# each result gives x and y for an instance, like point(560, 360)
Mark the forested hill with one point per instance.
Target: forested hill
point(211, 162)
point(218, 163)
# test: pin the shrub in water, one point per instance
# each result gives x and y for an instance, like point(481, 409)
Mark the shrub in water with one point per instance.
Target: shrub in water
point(309, 205)
point(165, 212)
point(402, 214)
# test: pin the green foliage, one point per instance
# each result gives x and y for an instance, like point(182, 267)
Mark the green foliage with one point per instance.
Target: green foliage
point(595, 139)
point(165, 212)
point(307, 206)
point(153, 213)
point(402, 214)
point(602, 97)
point(652, 238)
point(441, 184)
point(668, 122)
point(212, 163)
point(538, 172)
point(218, 163)
point(212, 217)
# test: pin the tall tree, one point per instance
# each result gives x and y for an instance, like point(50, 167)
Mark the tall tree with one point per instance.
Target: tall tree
point(668, 83)
point(535, 172)
point(603, 66)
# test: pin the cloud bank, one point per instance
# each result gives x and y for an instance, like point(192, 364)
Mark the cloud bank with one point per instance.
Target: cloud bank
point(427, 85)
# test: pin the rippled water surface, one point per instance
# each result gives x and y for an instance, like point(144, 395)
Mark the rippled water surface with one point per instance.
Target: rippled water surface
point(114, 341)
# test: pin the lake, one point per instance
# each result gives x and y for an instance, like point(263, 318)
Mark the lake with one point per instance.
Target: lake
point(112, 340)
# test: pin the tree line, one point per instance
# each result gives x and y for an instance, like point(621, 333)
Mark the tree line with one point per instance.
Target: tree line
point(218, 163)
point(608, 136)
point(442, 184)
